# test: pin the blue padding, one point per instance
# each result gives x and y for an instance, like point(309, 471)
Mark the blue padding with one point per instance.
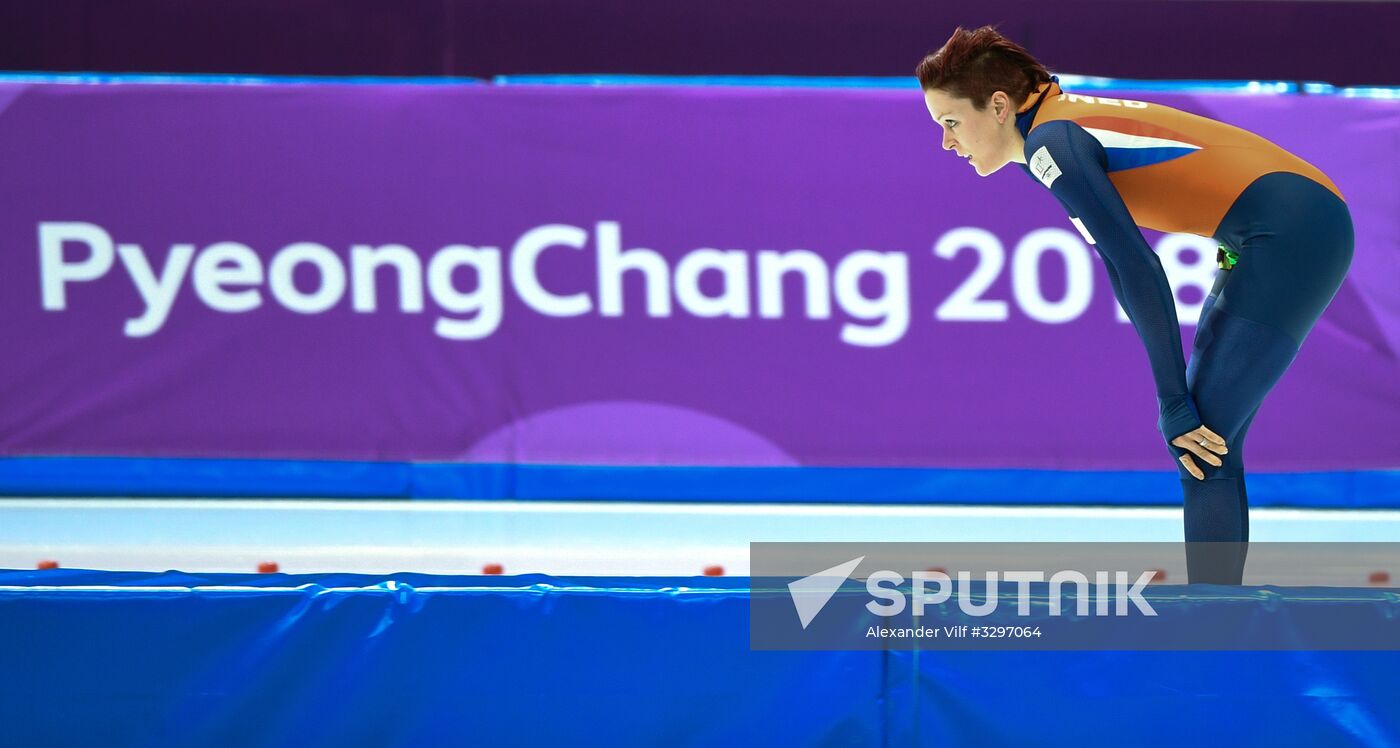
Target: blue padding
point(1088, 83)
point(1075, 82)
point(468, 661)
point(232, 80)
point(1072, 82)
point(113, 476)
point(1371, 92)
point(126, 659)
point(117, 476)
point(774, 81)
point(1145, 698)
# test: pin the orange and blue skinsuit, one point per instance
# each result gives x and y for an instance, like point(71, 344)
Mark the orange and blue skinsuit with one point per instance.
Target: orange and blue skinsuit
point(1286, 242)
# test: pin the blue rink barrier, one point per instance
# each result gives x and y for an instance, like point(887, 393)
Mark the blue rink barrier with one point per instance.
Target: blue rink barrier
point(1078, 82)
point(1073, 82)
point(117, 476)
point(117, 659)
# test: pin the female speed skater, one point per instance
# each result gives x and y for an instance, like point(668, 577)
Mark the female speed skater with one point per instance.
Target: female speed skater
point(1284, 233)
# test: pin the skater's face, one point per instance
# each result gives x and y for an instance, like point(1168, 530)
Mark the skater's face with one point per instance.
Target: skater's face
point(987, 138)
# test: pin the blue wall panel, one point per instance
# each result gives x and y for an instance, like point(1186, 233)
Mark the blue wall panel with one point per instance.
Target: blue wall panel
point(121, 659)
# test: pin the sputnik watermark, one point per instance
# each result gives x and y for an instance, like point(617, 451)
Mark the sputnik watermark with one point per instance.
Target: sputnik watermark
point(810, 594)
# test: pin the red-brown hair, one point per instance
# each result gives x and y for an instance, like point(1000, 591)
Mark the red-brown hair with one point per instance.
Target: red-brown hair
point(975, 64)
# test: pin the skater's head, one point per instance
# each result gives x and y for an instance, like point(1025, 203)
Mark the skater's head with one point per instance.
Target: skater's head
point(973, 86)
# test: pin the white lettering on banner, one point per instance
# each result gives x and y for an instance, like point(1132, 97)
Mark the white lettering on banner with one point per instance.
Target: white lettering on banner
point(891, 308)
point(772, 266)
point(484, 304)
point(732, 267)
point(210, 275)
point(468, 285)
point(1199, 273)
point(1025, 276)
point(365, 261)
point(966, 304)
point(525, 256)
point(158, 293)
point(55, 274)
point(613, 262)
point(332, 278)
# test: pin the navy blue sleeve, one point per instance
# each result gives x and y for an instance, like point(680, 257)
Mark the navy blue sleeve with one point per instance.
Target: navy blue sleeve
point(1072, 163)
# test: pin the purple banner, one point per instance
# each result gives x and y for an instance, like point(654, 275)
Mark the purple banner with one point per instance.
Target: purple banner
point(632, 276)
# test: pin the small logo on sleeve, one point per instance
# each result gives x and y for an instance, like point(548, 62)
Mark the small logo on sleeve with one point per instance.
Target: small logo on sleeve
point(1044, 167)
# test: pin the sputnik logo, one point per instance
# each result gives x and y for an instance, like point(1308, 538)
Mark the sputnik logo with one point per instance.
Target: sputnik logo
point(810, 594)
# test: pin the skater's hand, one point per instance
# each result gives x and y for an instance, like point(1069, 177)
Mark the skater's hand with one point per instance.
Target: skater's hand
point(1205, 444)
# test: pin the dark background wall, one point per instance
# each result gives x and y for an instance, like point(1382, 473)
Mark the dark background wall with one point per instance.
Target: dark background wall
point(1344, 43)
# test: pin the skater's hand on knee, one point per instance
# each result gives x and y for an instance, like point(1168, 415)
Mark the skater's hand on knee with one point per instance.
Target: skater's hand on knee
point(1203, 443)
point(1191, 467)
